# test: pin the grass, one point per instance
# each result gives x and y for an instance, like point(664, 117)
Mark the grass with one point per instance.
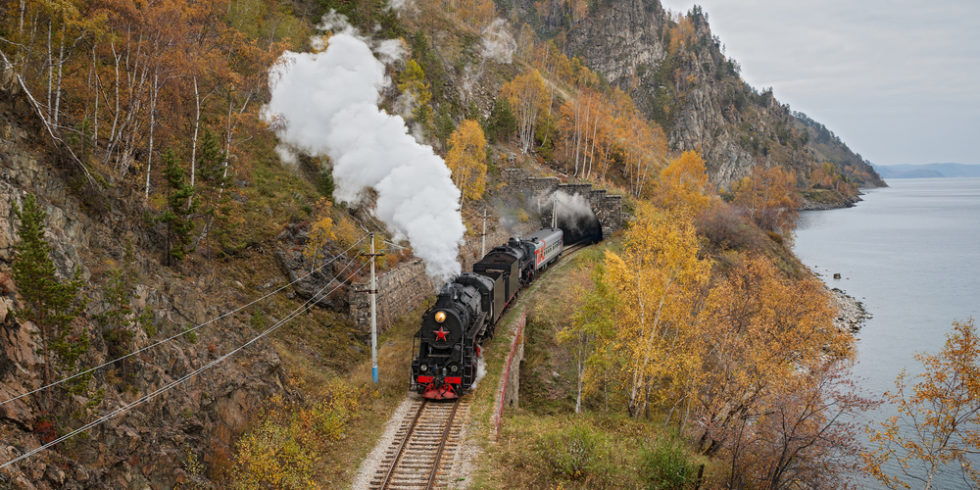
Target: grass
point(377, 403)
point(588, 450)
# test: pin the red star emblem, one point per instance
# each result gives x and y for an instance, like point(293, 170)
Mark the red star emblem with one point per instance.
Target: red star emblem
point(440, 334)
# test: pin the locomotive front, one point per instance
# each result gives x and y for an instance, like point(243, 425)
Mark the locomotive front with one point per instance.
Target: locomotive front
point(445, 366)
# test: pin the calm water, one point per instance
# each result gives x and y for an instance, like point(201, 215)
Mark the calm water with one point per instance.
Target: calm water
point(911, 254)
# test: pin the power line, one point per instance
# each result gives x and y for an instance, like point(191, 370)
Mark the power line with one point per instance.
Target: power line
point(113, 414)
point(182, 333)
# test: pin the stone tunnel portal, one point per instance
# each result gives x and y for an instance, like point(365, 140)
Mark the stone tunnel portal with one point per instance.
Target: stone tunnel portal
point(579, 225)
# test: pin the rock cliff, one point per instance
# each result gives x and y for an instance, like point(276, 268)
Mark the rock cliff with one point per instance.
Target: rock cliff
point(168, 440)
point(677, 73)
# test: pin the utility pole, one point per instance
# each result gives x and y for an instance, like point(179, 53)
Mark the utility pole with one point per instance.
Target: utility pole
point(554, 212)
point(374, 318)
point(483, 237)
point(373, 292)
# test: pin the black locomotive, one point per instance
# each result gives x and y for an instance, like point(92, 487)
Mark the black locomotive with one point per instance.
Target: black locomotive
point(467, 309)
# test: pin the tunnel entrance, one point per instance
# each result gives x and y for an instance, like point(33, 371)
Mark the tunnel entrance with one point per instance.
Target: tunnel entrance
point(581, 228)
point(574, 216)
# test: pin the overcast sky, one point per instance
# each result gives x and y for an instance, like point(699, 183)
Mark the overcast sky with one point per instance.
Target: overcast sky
point(897, 80)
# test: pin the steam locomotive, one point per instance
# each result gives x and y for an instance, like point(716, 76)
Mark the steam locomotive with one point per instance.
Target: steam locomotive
point(447, 346)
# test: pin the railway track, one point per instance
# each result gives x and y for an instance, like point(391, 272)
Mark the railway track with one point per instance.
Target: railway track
point(426, 445)
point(573, 248)
point(424, 448)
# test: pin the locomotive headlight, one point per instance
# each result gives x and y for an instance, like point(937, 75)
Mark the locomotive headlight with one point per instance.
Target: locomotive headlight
point(453, 368)
point(423, 367)
point(440, 316)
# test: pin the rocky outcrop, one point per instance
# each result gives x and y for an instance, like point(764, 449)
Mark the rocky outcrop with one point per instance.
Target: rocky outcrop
point(328, 279)
point(851, 313)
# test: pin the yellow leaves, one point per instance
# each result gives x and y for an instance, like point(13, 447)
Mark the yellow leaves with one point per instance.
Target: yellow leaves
point(681, 35)
point(940, 417)
point(477, 13)
point(770, 197)
point(527, 95)
point(655, 284)
point(320, 232)
point(763, 337)
point(412, 79)
point(599, 130)
point(828, 176)
point(467, 159)
point(683, 185)
point(284, 449)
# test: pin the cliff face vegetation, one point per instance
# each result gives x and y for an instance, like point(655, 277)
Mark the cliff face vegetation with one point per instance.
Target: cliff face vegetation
point(675, 70)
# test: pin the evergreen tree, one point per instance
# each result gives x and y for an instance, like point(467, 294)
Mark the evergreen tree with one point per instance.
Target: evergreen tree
point(122, 317)
point(50, 303)
point(501, 123)
point(211, 175)
point(211, 160)
point(179, 216)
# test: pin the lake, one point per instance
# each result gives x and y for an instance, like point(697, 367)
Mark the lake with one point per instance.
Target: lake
point(911, 254)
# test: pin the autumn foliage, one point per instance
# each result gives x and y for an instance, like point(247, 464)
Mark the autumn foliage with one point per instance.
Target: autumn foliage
point(937, 427)
point(770, 198)
point(528, 96)
point(745, 359)
point(467, 159)
point(656, 283)
point(122, 83)
point(683, 185)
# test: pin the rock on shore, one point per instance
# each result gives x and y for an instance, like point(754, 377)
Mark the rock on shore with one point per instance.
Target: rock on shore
point(851, 313)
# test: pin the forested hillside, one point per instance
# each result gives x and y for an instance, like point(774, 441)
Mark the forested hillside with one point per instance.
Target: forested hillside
point(676, 71)
point(163, 221)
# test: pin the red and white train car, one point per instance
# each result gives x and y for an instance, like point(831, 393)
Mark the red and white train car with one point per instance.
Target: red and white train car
point(548, 244)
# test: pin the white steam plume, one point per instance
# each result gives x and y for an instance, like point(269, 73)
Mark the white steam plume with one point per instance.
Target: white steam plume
point(287, 155)
point(570, 207)
point(481, 371)
point(326, 103)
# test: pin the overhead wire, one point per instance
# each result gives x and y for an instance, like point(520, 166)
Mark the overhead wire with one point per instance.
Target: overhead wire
point(181, 380)
point(177, 335)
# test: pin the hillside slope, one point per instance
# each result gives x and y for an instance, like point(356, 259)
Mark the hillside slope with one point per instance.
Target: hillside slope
point(677, 73)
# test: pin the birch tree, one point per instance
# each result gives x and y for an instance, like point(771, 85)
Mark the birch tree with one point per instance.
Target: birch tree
point(527, 96)
point(467, 159)
point(656, 282)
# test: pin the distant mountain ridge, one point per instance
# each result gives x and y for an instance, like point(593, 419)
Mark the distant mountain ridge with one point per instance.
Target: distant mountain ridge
point(928, 171)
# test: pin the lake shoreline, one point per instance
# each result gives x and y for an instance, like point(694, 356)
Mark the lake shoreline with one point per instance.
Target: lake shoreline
point(851, 313)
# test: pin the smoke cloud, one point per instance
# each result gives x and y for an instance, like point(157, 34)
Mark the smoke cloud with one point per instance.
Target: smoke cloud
point(400, 5)
point(574, 215)
point(570, 207)
point(326, 103)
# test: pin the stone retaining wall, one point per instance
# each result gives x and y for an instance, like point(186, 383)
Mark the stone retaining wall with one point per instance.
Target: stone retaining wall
point(405, 287)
